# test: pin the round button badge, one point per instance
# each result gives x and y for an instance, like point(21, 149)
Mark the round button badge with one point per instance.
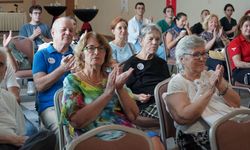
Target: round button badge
point(51, 60)
point(140, 66)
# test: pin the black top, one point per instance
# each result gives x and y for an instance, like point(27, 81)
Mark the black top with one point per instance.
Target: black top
point(197, 28)
point(228, 25)
point(146, 75)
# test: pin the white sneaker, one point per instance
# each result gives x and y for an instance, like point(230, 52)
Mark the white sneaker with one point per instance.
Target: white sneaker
point(31, 88)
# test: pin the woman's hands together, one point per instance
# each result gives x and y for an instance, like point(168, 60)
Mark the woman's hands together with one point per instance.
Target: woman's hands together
point(117, 79)
point(217, 77)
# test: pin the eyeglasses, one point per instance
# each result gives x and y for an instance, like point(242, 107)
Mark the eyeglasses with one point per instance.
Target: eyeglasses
point(198, 55)
point(92, 49)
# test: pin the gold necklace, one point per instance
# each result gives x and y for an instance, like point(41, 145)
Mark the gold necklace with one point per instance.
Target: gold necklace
point(90, 81)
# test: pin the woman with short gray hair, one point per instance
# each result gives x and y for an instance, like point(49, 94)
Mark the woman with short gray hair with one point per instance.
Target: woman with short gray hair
point(186, 45)
point(149, 70)
point(194, 93)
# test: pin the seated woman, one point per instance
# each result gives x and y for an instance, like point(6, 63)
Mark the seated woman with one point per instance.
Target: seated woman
point(91, 97)
point(149, 70)
point(121, 48)
point(239, 51)
point(174, 34)
point(215, 40)
point(192, 90)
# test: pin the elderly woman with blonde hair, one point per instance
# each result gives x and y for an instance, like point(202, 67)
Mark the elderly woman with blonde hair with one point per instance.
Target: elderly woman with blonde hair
point(193, 91)
point(215, 39)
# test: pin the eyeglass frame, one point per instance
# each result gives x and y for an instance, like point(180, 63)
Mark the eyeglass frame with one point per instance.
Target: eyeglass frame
point(99, 48)
point(198, 55)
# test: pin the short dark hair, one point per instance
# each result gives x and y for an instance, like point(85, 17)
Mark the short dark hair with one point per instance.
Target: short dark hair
point(179, 15)
point(204, 11)
point(139, 3)
point(33, 7)
point(228, 5)
point(165, 9)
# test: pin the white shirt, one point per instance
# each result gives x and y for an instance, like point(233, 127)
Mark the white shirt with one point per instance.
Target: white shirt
point(134, 29)
point(9, 79)
point(11, 117)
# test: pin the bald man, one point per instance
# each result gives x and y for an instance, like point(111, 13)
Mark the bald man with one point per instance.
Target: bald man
point(50, 66)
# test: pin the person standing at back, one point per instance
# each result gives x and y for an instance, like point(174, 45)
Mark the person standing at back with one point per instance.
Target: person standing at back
point(135, 24)
point(197, 28)
point(35, 29)
point(167, 22)
point(228, 23)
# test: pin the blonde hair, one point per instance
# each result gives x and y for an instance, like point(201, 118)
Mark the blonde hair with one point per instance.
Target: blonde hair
point(79, 55)
point(207, 19)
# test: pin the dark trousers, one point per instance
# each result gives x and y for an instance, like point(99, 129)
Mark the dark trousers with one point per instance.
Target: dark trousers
point(212, 63)
point(239, 74)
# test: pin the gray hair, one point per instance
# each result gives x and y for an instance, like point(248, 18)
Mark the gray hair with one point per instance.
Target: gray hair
point(186, 45)
point(58, 21)
point(148, 28)
point(3, 53)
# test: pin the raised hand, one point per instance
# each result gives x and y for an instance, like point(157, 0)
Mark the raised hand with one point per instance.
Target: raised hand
point(220, 32)
point(68, 62)
point(36, 32)
point(6, 40)
point(215, 33)
point(186, 25)
point(220, 72)
point(110, 87)
point(216, 78)
point(121, 78)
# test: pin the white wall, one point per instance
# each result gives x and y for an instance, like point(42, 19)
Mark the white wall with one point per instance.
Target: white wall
point(193, 8)
point(108, 9)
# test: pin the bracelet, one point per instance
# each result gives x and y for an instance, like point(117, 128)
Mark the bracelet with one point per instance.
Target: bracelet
point(224, 91)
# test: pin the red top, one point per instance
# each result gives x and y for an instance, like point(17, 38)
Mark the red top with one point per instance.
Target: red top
point(239, 46)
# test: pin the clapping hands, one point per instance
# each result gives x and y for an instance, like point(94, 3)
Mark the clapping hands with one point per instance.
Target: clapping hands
point(67, 62)
point(217, 77)
point(117, 79)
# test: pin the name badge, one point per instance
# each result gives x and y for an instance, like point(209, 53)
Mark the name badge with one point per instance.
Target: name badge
point(51, 60)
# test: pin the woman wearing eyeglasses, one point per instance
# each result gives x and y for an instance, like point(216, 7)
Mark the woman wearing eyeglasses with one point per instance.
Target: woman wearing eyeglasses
point(194, 89)
point(90, 95)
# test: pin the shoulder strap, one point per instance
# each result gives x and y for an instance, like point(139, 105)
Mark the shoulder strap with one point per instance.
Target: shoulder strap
point(131, 49)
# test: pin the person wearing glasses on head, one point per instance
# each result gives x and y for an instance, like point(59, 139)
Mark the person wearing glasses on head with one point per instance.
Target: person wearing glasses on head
point(191, 91)
point(228, 23)
point(94, 98)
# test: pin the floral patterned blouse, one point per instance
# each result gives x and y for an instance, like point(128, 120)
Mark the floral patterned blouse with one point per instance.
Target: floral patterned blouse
point(77, 94)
